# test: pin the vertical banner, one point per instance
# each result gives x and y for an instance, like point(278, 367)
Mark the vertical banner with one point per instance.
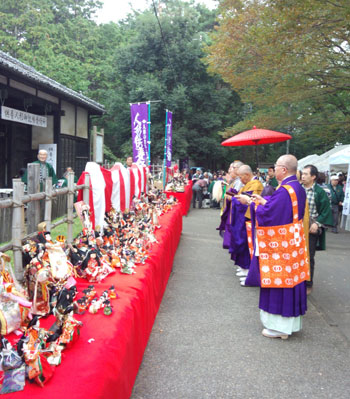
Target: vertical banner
point(169, 138)
point(345, 219)
point(149, 133)
point(165, 143)
point(139, 128)
point(346, 202)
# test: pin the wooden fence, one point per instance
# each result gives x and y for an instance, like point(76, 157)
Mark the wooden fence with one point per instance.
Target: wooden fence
point(23, 223)
point(59, 209)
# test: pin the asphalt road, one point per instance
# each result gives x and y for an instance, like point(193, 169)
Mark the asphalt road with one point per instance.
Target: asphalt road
point(206, 341)
point(331, 293)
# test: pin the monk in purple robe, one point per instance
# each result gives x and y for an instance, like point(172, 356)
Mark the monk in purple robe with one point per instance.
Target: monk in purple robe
point(226, 217)
point(239, 241)
point(281, 309)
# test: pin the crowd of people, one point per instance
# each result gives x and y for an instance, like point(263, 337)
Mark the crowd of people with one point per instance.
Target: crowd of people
point(272, 225)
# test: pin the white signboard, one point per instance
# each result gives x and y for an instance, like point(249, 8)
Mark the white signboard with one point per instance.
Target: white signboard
point(99, 148)
point(346, 203)
point(51, 153)
point(15, 115)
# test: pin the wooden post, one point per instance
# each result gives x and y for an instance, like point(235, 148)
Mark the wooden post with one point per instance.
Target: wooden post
point(86, 191)
point(94, 134)
point(33, 211)
point(97, 145)
point(17, 227)
point(48, 203)
point(70, 203)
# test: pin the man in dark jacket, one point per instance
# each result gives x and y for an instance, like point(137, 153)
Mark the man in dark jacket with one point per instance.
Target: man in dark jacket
point(320, 215)
point(337, 198)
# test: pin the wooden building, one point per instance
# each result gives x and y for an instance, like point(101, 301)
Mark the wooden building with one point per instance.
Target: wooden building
point(36, 110)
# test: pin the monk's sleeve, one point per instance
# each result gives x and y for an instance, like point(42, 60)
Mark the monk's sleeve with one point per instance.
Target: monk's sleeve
point(277, 210)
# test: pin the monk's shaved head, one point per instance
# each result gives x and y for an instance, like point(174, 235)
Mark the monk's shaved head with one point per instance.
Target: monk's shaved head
point(233, 170)
point(245, 173)
point(289, 162)
point(237, 164)
point(245, 169)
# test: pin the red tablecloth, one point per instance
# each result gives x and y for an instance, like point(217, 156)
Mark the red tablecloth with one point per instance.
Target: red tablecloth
point(184, 198)
point(107, 367)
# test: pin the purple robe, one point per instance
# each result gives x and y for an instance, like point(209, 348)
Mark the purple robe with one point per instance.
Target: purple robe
point(224, 227)
point(239, 241)
point(287, 302)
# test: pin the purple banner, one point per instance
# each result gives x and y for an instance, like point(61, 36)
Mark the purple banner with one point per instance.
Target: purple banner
point(169, 138)
point(139, 128)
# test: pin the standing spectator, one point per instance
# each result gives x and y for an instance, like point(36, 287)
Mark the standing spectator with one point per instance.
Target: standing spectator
point(64, 182)
point(342, 183)
point(128, 162)
point(321, 181)
point(337, 198)
point(220, 174)
point(199, 186)
point(320, 216)
point(206, 177)
point(272, 181)
point(198, 175)
point(259, 176)
point(213, 202)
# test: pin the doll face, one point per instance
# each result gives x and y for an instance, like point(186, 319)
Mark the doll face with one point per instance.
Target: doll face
point(42, 156)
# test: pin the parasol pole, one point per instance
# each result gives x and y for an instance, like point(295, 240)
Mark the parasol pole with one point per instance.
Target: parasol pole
point(256, 153)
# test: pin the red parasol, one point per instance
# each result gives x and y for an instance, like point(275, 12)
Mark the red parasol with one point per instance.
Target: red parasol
point(256, 137)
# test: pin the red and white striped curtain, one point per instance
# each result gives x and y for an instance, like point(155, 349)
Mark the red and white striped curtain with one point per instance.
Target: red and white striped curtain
point(113, 187)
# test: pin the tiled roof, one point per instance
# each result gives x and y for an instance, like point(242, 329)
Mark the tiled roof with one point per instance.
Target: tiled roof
point(19, 68)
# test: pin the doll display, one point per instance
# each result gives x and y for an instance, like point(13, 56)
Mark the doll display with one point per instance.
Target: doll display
point(51, 267)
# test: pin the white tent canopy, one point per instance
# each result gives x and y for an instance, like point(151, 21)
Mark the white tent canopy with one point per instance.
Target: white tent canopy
point(340, 161)
point(310, 159)
point(322, 164)
point(332, 160)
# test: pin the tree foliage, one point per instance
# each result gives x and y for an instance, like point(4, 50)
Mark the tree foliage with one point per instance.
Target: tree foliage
point(288, 59)
point(138, 59)
point(164, 63)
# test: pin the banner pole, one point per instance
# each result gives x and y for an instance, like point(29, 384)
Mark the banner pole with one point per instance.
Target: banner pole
point(146, 102)
point(165, 143)
point(149, 133)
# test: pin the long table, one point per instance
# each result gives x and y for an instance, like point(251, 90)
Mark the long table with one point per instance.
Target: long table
point(107, 367)
point(184, 198)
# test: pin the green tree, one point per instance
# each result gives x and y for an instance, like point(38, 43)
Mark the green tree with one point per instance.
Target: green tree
point(290, 60)
point(131, 61)
point(56, 37)
point(168, 66)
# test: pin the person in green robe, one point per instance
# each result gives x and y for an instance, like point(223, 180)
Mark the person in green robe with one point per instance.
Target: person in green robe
point(337, 198)
point(46, 170)
point(320, 215)
point(64, 182)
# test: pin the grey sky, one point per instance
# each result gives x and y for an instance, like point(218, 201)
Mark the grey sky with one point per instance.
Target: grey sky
point(115, 10)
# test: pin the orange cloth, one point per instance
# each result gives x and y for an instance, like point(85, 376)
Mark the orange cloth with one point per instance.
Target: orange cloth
point(283, 254)
point(248, 226)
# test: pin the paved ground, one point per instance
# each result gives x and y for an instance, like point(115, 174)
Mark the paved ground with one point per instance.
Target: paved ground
point(207, 343)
